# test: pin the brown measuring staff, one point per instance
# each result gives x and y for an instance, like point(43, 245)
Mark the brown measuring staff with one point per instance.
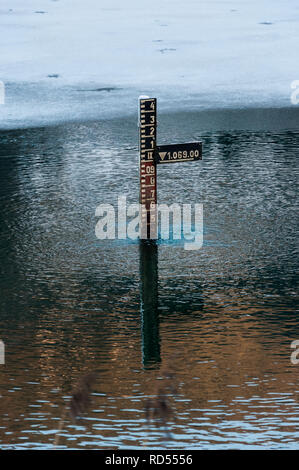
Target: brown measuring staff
point(150, 155)
point(148, 174)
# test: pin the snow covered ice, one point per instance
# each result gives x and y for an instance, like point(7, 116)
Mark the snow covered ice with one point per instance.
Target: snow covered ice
point(64, 60)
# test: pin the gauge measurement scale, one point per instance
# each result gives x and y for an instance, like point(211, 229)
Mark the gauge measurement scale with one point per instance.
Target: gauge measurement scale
point(148, 173)
point(178, 153)
point(150, 155)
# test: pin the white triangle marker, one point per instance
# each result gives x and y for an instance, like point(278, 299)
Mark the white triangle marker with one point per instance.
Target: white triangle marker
point(162, 155)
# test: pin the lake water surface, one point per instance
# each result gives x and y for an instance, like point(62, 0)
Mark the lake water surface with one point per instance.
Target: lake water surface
point(221, 318)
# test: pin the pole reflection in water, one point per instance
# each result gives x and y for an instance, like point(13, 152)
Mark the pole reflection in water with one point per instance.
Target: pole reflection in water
point(149, 303)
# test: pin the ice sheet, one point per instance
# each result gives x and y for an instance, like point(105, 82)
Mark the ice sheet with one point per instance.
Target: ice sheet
point(63, 60)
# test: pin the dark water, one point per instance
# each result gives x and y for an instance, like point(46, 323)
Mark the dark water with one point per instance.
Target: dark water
point(221, 318)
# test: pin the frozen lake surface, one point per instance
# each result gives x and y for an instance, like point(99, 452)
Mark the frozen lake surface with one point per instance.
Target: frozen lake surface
point(71, 60)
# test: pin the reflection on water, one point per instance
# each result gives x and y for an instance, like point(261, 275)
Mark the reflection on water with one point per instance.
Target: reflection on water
point(149, 302)
point(71, 303)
